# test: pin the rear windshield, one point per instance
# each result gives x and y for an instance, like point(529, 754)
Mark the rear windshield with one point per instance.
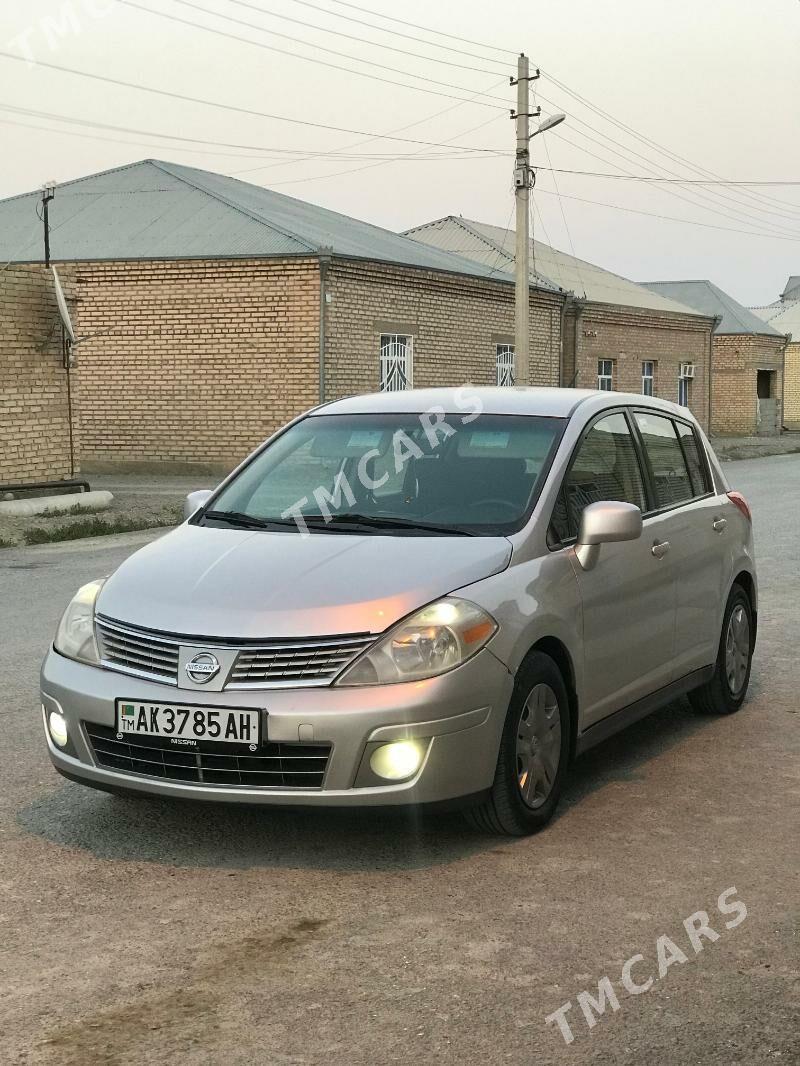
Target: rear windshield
point(477, 473)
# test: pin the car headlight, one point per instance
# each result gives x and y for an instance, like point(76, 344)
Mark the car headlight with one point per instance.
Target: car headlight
point(75, 635)
point(430, 642)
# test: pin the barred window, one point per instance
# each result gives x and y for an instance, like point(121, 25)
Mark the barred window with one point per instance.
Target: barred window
point(505, 371)
point(396, 362)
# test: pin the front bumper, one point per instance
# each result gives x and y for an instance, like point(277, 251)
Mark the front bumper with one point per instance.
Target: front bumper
point(462, 713)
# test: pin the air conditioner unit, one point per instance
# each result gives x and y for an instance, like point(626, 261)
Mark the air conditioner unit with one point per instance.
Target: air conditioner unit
point(686, 370)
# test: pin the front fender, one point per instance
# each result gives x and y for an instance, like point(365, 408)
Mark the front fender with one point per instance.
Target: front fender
point(533, 600)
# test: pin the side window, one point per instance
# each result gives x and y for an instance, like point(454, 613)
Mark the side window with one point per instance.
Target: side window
point(672, 482)
point(694, 459)
point(606, 467)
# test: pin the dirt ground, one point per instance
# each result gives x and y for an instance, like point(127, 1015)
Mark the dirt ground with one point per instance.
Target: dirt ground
point(143, 932)
point(141, 501)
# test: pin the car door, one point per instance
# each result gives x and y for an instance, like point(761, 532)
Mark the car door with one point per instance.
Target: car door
point(693, 526)
point(628, 598)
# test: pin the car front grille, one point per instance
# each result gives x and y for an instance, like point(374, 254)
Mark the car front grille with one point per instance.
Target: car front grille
point(318, 660)
point(299, 766)
point(274, 663)
point(138, 651)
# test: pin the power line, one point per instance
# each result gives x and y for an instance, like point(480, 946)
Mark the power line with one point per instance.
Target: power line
point(661, 149)
point(106, 79)
point(310, 59)
point(670, 218)
point(711, 196)
point(355, 170)
point(370, 140)
point(665, 181)
point(753, 196)
point(361, 40)
point(301, 152)
point(412, 25)
point(714, 208)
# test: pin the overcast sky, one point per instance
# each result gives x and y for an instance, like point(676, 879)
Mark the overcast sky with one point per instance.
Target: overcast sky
point(716, 82)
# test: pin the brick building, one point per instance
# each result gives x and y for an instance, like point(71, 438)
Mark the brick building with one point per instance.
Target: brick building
point(38, 434)
point(214, 310)
point(784, 316)
point(616, 334)
point(747, 365)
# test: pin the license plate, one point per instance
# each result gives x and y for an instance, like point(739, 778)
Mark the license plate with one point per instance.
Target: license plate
point(179, 722)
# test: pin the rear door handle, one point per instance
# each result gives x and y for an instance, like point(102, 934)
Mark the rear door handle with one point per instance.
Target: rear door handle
point(719, 524)
point(660, 548)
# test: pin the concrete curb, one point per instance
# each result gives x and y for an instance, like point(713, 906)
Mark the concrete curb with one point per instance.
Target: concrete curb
point(91, 501)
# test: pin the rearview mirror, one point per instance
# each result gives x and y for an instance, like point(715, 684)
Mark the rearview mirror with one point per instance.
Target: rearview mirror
point(195, 500)
point(605, 522)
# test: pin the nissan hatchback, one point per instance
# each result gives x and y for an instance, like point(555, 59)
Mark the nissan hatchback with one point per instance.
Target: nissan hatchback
point(423, 597)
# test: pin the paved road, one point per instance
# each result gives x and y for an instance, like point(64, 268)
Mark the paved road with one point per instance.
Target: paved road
point(137, 932)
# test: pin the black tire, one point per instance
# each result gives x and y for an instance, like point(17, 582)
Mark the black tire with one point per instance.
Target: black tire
point(719, 695)
point(505, 811)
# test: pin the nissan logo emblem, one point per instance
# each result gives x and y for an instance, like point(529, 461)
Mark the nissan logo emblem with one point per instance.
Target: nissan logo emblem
point(202, 667)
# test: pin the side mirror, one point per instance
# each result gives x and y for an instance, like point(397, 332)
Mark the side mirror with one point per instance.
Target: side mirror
point(195, 500)
point(603, 523)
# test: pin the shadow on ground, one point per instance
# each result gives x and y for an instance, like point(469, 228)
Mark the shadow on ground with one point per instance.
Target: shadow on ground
point(179, 833)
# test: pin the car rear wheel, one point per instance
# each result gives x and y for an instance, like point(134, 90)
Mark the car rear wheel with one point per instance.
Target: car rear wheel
point(533, 754)
point(726, 690)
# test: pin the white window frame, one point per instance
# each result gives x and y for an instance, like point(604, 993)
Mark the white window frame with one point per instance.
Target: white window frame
point(396, 362)
point(648, 377)
point(605, 375)
point(683, 390)
point(505, 365)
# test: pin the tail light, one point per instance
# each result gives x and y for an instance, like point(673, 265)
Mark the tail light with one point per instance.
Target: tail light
point(741, 503)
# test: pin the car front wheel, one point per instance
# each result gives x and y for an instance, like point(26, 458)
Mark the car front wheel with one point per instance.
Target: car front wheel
point(533, 754)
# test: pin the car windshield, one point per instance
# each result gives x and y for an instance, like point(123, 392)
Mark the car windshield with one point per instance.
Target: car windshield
point(394, 473)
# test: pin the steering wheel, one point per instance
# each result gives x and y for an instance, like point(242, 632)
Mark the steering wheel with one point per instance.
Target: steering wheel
point(495, 501)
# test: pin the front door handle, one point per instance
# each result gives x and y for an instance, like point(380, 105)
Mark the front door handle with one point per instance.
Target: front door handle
point(660, 548)
point(719, 524)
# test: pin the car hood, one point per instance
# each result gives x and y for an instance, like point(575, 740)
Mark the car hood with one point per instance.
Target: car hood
point(227, 583)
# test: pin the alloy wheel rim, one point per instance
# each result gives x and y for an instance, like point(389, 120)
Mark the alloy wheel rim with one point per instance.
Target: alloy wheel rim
point(737, 649)
point(538, 747)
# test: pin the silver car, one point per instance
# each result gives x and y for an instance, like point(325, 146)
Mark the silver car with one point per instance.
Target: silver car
point(423, 597)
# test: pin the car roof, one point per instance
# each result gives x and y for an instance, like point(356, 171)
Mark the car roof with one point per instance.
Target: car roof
point(515, 400)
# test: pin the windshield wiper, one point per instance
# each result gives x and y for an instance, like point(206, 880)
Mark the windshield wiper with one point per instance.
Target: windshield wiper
point(385, 522)
point(247, 521)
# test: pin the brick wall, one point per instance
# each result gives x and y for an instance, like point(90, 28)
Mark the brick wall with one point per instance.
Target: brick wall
point(628, 337)
point(791, 386)
point(737, 359)
point(34, 410)
point(455, 322)
point(194, 361)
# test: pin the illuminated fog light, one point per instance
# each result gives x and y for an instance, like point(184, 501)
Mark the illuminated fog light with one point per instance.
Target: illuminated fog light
point(57, 724)
point(398, 760)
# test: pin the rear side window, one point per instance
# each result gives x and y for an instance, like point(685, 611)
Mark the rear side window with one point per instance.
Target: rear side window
point(673, 484)
point(694, 459)
point(605, 467)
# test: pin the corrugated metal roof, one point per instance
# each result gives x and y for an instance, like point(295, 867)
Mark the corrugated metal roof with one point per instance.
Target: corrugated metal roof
point(791, 290)
point(708, 299)
point(157, 210)
point(490, 244)
point(783, 316)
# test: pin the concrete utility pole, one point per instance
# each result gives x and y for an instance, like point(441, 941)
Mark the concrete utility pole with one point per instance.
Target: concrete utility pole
point(522, 189)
